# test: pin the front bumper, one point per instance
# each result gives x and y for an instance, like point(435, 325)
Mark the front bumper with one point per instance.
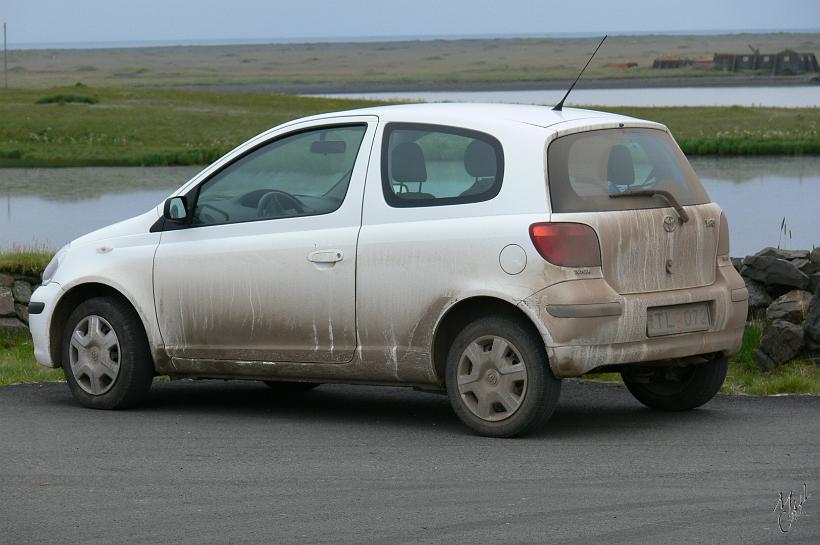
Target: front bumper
point(40, 324)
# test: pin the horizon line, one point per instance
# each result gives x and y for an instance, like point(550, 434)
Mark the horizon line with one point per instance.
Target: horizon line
point(350, 39)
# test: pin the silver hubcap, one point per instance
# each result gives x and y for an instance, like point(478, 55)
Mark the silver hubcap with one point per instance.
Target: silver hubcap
point(95, 355)
point(492, 378)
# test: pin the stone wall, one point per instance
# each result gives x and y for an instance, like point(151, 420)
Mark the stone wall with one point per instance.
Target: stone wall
point(784, 292)
point(15, 293)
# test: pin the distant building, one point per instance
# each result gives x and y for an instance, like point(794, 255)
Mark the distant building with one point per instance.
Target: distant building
point(782, 63)
point(680, 62)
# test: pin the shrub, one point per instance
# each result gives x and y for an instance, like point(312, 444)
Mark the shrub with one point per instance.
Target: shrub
point(65, 99)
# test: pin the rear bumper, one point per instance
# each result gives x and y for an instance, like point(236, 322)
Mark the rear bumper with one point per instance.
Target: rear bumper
point(589, 332)
point(572, 361)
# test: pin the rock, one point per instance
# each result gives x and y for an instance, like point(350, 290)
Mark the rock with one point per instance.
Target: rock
point(781, 341)
point(812, 325)
point(22, 312)
point(6, 280)
point(791, 307)
point(814, 282)
point(6, 302)
point(814, 257)
point(783, 254)
point(758, 298)
point(21, 292)
point(804, 265)
point(763, 361)
point(772, 271)
point(12, 326)
point(737, 263)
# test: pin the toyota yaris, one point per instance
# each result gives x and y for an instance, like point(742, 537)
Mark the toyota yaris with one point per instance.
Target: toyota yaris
point(485, 251)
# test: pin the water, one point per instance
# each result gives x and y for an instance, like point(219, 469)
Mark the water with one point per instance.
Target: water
point(53, 206)
point(803, 96)
point(49, 207)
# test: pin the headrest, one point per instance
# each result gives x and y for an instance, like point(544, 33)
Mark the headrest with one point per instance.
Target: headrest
point(407, 163)
point(479, 160)
point(620, 169)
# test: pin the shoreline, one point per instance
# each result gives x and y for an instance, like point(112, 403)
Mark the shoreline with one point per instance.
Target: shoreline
point(637, 82)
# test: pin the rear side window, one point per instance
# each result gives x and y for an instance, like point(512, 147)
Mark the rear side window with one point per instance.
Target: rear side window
point(432, 165)
point(587, 167)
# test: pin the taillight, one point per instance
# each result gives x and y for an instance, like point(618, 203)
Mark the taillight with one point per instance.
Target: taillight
point(567, 244)
point(723, 234)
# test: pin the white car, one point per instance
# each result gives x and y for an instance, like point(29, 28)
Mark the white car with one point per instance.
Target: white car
point(483, 250)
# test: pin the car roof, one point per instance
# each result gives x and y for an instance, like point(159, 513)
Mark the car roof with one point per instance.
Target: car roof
point(449, 112)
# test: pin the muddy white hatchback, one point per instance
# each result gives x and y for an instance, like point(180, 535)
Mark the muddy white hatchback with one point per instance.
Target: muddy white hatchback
point(483, 250)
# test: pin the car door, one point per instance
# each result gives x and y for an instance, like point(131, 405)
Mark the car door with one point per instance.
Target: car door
point(264, 270)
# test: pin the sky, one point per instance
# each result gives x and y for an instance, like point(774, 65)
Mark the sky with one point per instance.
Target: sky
point(66, 21)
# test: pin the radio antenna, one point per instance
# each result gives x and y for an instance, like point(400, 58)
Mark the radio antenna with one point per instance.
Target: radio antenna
point(558, 107)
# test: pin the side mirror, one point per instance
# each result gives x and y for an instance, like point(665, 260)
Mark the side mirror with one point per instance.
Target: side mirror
point(176, 210)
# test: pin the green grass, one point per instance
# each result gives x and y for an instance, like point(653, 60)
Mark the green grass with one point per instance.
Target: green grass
point(744, 377)
point(736, 130)
point(158, 127)
point(796, 377)
point(29, 260)
point(130, 127)
point(17, 363)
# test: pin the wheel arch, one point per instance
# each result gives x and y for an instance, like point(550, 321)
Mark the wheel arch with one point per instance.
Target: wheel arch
point(465, 311)
point(74, 296)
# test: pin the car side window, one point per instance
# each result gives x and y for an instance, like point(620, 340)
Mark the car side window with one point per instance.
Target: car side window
point(302, 174)
point(432, 165)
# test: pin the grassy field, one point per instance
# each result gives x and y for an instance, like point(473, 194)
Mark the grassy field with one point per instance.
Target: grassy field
point(433, 61)
point(17, 363)
point(106, 126)
point(139, 126)
point(744, 377)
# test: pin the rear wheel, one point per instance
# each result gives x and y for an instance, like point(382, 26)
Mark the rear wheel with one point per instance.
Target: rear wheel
point(290, 387)
point(676, 388)
point(498, 379)
point(106, 359)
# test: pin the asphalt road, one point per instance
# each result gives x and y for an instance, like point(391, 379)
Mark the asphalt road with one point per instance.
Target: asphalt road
point(230, 462)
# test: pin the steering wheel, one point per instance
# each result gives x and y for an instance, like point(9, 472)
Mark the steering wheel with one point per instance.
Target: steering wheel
point(276, 202)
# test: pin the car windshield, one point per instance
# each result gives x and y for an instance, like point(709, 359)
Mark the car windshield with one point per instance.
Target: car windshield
point(586, 168)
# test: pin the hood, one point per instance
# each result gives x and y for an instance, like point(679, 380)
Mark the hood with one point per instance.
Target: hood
point(138, 225)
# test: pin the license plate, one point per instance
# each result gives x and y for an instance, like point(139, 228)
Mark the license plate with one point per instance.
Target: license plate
point(677, 319)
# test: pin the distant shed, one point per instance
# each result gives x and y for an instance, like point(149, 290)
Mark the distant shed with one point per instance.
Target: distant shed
point(680, 62)
point(783, 63)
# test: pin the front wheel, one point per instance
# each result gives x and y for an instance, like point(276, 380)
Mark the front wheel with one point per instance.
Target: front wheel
point(498, 380)
point(106, 359)
point(676, 388)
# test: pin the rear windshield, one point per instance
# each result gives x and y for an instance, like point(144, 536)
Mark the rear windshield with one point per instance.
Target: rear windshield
point(586, 168)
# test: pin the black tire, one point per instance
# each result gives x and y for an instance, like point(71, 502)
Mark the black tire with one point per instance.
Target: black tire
point(676, 388)
point(135, 370)
point(290, 387)
point(537, 393)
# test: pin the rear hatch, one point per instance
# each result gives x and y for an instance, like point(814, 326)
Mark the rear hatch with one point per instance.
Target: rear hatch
point(663, 239)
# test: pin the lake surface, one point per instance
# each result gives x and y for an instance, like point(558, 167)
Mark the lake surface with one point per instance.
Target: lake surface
point(804, 96)
point(52, 206)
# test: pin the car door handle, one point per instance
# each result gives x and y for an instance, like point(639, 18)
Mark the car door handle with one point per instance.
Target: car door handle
point(325, 256)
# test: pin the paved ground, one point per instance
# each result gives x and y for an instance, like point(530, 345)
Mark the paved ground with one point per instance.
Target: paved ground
point(217, 462)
